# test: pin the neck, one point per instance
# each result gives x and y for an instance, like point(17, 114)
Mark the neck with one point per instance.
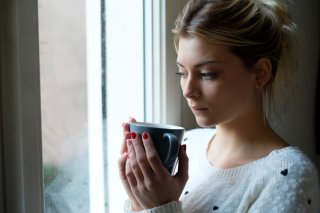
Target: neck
point(242, 140)
point(243, 131)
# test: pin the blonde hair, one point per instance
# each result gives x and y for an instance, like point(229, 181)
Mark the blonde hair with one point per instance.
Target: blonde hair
point(252, 29)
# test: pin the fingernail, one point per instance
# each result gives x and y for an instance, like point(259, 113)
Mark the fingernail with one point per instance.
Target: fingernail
point(133, 135)
point(145, 136)
point(184, 147)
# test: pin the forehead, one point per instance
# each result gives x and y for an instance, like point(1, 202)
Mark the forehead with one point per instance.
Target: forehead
point(193, 49)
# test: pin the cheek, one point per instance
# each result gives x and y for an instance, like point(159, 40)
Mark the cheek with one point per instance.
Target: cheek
point(182, 84)
point(240, 92)
point(214, 94)
point(245, 88)
point(229, 93)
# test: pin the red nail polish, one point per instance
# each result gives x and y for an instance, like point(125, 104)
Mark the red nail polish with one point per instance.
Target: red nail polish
point(184, 147)
point(145, 136)
point(133, 135)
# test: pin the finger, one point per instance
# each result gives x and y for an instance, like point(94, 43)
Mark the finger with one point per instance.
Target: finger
point(133, 162)
point(183, 166)
point(131, 120)
point(141, 156)
point(122, 166)
point(123, 175)
point(124, 148)
point(152, 155)
point(126, 134)
point(126, 125)
point(130, 177)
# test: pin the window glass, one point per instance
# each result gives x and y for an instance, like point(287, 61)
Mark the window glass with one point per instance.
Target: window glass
point(62, 36)
point(92, 79)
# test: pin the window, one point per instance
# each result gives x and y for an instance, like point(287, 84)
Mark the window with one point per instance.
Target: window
point(71, 106)
point(91, 55)
point(88, 66)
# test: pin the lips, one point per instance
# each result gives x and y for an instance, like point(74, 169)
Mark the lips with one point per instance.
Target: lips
point(198, 109)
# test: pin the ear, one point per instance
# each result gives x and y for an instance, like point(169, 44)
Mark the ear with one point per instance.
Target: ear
point(263, 72)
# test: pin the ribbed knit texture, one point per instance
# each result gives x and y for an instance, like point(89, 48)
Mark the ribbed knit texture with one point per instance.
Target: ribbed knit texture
point(174, 207)
point(284, 181)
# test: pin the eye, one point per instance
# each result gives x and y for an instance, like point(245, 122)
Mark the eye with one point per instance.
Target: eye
point(181, 74)
point(209, 75)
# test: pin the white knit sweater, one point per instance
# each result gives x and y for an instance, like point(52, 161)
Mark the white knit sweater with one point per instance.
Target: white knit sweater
point(285, 181)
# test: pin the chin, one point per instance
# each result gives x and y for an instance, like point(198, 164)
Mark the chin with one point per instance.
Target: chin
point(205, 122)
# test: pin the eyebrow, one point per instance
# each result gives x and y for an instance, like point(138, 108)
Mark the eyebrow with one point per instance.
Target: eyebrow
point(201, 63)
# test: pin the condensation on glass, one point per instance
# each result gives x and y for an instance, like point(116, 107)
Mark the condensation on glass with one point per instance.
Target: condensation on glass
point(85, 98)
point(62, 35)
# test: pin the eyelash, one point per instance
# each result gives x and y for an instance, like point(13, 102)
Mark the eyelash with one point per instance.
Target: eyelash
point(181, 74)
point(204, 75)
point(209, 75)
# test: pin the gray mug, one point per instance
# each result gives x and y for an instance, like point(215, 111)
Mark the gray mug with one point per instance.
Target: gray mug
point(166, 138)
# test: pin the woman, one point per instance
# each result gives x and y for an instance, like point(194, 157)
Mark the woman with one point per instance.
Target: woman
point(233, 58)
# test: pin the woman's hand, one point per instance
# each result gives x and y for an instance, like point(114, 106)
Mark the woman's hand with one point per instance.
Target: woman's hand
point(149, 181)
point(122, 166)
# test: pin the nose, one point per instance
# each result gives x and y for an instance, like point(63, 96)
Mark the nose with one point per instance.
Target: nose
point(190, 87)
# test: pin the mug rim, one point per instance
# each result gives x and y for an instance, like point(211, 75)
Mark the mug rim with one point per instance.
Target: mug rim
point(157, 125)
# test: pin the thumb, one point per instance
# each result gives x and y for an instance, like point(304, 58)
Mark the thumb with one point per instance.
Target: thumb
point(183, 167)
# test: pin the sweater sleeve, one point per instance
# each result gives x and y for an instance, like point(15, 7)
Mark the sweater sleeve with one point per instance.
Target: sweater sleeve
point(171, 207)
point(294, 189)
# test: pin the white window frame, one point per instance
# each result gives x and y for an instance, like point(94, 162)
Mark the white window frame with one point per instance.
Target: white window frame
point(95, 121)
point(21, 181)
point(163, 102)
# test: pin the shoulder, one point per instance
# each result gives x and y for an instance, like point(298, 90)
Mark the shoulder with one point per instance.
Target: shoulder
point(288, 173)
point(292, 161)
point(291, 164)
